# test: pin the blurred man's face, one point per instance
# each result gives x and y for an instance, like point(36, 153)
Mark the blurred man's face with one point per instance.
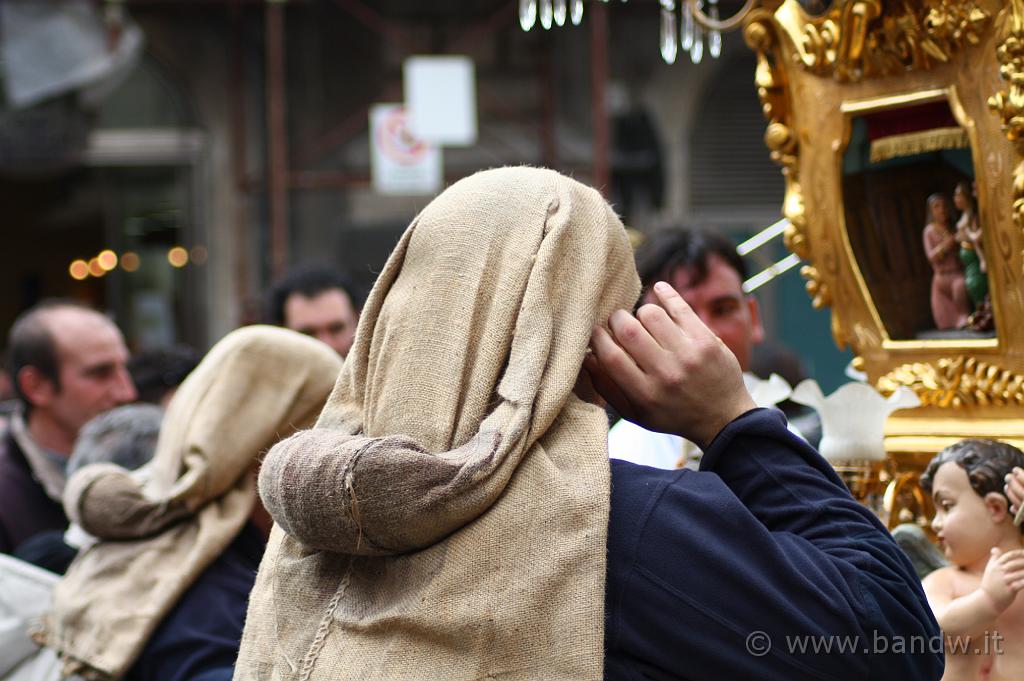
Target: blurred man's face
point(91, 355)
point(328, 316)
point(722, 305)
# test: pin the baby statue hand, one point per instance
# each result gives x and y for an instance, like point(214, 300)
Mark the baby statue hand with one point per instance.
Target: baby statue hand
point(1015, 491)
point(1003, 578)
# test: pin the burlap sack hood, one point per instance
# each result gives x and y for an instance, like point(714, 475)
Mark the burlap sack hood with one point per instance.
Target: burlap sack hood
point(162, 525)
point(447, 516)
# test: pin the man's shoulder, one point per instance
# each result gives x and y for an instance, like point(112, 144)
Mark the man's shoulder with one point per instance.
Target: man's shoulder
point(201, 633)
point(23, 500)
point(636, 489)
point(12, 461)
point(25, 509)
point(228, 580)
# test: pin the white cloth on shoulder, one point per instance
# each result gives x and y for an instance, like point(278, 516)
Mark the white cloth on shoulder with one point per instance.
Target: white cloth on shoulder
point(630, 442)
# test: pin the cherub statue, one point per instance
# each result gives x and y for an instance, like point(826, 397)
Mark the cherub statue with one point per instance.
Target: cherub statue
point(950, 304)
point(975, 598)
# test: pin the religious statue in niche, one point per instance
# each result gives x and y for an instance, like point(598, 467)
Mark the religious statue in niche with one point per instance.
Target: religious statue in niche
point(949, 299)
point(972, 255)
point(921, 259)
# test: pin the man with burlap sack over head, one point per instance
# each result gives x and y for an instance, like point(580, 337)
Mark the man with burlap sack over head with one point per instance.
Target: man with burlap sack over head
point(448, 515)
point(161, 593)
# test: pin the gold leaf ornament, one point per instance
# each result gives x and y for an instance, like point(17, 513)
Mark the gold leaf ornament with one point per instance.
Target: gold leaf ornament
point(957, 382)
point(860, 39)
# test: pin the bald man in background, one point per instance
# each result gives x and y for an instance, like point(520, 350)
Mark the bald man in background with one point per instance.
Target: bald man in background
point(67, 364)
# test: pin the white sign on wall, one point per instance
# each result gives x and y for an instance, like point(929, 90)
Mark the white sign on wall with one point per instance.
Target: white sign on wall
point(400, 162)
point(440, 93)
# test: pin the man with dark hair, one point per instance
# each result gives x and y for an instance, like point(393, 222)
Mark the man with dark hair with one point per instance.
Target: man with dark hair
point(317, 302)
point(67, 364)
point(708, 273)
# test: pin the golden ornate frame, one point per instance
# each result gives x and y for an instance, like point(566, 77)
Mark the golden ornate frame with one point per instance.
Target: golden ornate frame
point(813, 74)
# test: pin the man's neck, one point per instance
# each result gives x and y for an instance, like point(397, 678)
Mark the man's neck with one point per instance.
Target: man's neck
point(49, 435)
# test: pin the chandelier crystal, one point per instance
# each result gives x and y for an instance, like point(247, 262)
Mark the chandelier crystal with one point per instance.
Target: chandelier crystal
point(693, 30)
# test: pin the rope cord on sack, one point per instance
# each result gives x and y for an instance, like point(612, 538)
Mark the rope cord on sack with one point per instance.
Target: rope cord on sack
point(325, 625)
point(325, 622)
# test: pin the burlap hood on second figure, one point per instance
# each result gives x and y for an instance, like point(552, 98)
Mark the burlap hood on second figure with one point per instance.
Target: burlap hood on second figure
point(161, 526)
point(447, 516)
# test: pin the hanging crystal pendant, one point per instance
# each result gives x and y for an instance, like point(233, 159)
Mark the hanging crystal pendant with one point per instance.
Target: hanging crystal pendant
point(715, 36)
point(686, 31)
point(559, 12)
point(669, 46)
point(527, 14)
point(546, 14)
point(697, 49)
point(575, 12)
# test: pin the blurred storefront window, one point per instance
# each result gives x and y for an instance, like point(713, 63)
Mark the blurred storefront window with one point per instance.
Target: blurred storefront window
point(128, 187)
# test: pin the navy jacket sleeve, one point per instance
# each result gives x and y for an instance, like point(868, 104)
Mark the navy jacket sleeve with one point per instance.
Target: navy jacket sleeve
point(198, 639)
point(759, 567)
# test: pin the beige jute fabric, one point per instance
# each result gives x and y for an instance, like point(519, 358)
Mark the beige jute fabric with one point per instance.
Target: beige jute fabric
point(161, 526)
point(447, 516)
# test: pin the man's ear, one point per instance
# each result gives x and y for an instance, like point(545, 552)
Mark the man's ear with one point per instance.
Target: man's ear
point(756, 328)
point(997, 506)
point(37, 388)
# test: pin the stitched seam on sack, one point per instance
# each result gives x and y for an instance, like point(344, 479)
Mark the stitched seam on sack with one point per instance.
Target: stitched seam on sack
point(348, 477)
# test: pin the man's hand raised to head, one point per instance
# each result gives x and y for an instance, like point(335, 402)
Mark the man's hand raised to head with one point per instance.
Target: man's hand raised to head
point(666, 371)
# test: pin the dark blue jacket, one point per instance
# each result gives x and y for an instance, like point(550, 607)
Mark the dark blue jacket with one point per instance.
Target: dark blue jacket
point(25, 510)
point(760, 567)
point(198, 640)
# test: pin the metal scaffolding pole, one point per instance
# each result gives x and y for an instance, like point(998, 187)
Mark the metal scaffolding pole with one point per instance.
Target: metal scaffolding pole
point(277, 132)
point(598, 98)
point(236, 89)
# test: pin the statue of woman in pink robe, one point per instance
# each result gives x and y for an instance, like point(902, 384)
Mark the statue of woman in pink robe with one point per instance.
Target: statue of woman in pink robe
point(950, 303)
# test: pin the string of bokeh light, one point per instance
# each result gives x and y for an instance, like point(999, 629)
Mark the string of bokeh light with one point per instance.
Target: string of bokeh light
point(106, 261)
